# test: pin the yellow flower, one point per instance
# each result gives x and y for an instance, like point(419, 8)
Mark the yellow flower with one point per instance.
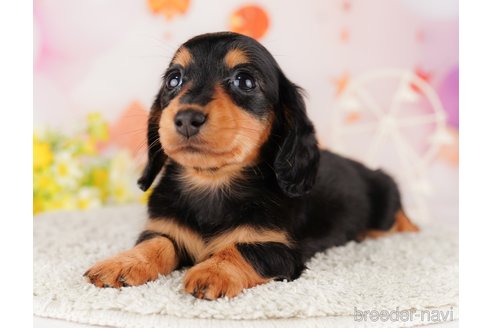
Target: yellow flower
point(38, 205)
point(88, 198)
point(42, 155)
point(88, 147)
point(69, 174)
point(100, 177)
point(63, 200)
point(97, 128)
point(122, 179)
point(67, 170)
point(79, 146)
point(120, 193)
point(44, 183)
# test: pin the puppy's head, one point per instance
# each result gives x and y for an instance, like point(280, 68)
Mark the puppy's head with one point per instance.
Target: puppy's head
point(222, 99)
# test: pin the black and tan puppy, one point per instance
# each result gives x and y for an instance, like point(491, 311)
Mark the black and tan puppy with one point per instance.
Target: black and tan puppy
point(245, 196)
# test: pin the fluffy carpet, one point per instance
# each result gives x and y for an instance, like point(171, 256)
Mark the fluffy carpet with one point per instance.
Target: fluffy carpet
point(401, 272)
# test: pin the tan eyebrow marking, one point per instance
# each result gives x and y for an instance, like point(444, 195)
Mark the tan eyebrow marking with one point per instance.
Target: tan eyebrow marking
point(235, 57)
point(183, 57)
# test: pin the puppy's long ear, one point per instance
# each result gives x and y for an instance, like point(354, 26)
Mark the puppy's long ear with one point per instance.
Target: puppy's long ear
point(155, 154)
point(297, 160)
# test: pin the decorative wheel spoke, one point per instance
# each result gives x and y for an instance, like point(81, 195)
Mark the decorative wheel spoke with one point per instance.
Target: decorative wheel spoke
point(406, 150)
point(369, 100)
point(359, 128)
point(395, 100)
point(405, 160)
point(418, 120)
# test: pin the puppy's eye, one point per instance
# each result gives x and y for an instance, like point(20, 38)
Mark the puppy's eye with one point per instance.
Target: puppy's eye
point(173, 80)
point(244, 81)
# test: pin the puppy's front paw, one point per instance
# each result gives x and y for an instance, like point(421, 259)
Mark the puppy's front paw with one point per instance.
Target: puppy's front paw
point(226, 273)
point(136, 266)
point(209, 282)
point(120, 271)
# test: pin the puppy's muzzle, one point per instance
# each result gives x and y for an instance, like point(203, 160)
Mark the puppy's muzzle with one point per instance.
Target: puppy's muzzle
point(188, 122)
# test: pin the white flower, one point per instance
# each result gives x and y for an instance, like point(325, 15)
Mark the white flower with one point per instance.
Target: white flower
point(122, 178)
point(88, 197)
point(67, 170)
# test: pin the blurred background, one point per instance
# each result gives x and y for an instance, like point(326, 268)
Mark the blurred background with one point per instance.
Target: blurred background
point(381, 79)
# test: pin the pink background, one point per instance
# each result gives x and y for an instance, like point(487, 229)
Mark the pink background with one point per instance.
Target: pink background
point(108, 56)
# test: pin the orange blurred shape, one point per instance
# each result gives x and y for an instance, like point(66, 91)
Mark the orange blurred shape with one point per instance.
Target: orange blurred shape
point(344, 35)
point(130, 129)
point(352, 117)
point(341, 83)
point(169, 8)
point(450, 152)
point(346, 6)
point(249, 20)
point(424, 75)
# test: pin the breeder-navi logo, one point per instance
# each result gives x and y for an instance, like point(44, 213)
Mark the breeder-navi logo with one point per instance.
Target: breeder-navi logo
point(403, 315)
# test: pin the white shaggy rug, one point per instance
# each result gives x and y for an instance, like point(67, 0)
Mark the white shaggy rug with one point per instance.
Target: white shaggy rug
point(402, 273)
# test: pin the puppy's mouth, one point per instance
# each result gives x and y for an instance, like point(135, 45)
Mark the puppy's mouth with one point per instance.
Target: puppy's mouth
point(195, 148)
point(191, 149)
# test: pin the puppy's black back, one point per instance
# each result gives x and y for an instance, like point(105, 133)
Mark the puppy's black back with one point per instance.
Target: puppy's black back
point(347, 199)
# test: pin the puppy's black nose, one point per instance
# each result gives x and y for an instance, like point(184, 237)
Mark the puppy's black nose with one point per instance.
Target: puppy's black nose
point(189, 121)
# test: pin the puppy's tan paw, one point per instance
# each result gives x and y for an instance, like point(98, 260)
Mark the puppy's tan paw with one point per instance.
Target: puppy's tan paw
point(137, 266)
point(226, 273)
point(209, 283)
point(120, 271)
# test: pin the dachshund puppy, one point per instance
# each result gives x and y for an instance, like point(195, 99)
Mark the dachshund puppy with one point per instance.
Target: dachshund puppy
point(245, 196)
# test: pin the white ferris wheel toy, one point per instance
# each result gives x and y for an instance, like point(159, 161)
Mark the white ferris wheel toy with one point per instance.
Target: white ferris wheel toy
point(387, 127)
